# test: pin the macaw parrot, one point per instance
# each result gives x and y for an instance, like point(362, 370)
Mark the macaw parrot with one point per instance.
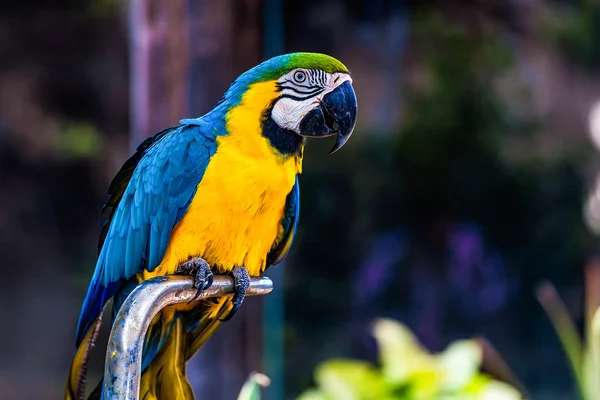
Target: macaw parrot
point(216, 194)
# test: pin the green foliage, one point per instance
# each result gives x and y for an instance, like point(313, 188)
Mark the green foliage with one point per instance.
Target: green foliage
point(251, 389)
point(79, 140)
point(583, 357)
point(408, 372)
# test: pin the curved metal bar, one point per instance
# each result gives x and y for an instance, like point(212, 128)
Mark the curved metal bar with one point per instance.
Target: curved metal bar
point(122, 368)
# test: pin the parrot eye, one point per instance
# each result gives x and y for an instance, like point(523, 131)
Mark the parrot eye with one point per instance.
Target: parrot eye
point(300, 76)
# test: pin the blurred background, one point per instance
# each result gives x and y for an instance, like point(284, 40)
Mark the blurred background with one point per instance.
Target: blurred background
point(468, 181)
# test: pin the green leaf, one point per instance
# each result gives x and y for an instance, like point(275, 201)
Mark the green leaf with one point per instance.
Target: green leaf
point(409, 372)
point(424, 385)
point(591, 369)
point(251, 389)
point(312, 394)
point(400, 354)
point(459, 364)
point(340, 379)
point(496, 390)
point(476, 386)
point(566, 331)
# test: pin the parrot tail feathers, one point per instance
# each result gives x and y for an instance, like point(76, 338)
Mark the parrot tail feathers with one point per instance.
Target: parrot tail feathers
point(164, 377)
point(173, 338)
point(201, 324)
point(77, 374)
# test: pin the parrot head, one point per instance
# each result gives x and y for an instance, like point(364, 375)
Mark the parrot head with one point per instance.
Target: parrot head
point(316, 98)
point(304, 95)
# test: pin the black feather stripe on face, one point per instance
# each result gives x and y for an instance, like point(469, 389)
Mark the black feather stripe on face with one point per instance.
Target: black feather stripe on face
point(310, 92)
point(301, 91)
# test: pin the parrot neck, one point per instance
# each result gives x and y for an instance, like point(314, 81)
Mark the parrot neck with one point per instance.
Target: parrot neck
point(285, 141)
point(245, 103)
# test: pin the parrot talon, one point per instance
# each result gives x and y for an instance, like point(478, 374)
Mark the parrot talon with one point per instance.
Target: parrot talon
point(203, 276)
point(241, 282)
point(209, 281)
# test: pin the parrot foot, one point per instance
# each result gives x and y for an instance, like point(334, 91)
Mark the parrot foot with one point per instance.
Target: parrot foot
point(203, 276)
point(241, 282)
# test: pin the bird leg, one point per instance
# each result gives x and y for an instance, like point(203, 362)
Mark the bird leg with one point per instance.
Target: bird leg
point(241, 282)
point(203, 276)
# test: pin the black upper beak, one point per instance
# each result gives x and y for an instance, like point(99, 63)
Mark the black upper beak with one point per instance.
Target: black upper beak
point(335, 115)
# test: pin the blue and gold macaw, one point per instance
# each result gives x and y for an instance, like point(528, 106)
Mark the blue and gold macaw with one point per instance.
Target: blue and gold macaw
point(217, 194)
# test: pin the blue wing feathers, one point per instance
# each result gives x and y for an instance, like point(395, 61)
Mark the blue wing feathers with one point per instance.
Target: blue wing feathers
point(289, 221)
point(119, 183)
point(147, 198)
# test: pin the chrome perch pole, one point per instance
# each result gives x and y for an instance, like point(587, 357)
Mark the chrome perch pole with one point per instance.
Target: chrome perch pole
point(123, 363)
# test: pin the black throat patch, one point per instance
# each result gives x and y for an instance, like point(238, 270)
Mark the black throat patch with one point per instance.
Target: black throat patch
point(287, 142)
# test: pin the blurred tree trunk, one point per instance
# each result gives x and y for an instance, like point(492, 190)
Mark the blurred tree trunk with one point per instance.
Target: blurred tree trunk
point(185, 53)
point(274, 305)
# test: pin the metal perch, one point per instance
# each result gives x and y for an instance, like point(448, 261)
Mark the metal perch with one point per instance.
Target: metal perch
point(122, 369)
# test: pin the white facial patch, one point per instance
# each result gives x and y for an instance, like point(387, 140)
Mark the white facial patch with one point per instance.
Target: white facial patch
point(301, 91)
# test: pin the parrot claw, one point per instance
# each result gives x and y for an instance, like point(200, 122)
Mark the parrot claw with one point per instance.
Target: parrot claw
point(241, 282)
point(203, 276)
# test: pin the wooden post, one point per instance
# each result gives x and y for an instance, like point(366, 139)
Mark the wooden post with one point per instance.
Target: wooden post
point(159, 63)
point(184, 55)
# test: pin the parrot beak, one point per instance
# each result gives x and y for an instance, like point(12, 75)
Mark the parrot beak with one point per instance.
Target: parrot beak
point(335, 115)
